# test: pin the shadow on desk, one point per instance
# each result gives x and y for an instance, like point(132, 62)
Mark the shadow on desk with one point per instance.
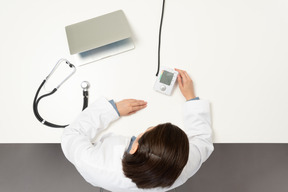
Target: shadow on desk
point(231, 167)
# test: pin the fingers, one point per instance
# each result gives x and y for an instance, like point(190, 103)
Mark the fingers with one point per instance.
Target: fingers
point(130, 106)
point(134, 105)
point(135, 102)
point(179, 79)
point(137, 105)
point(183, 74)
point(185, 84)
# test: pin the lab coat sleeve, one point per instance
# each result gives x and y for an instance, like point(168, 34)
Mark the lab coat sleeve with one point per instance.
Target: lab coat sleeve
point(77, 137)
point(197, 123)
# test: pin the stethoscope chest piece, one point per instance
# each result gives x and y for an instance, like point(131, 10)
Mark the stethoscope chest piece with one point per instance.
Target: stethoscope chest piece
point(85, 85)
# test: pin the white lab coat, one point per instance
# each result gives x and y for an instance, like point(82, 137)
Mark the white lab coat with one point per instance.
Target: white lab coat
point(100, 163)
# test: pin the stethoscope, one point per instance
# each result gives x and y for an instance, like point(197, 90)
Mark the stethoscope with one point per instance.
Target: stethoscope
point(85, 86)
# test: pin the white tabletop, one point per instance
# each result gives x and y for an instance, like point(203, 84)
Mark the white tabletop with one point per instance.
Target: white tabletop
point(235, 52)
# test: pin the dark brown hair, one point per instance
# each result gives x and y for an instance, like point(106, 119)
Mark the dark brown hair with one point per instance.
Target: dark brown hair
point(160, 158)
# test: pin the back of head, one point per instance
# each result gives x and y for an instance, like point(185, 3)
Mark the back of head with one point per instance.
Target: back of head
point(160, 158)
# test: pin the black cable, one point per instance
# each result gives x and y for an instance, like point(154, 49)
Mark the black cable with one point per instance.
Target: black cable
point(159, 42)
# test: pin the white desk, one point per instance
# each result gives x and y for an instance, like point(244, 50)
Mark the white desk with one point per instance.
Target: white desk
point(235, 51)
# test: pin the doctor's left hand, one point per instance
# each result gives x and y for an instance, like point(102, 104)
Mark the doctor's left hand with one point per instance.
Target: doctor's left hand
point(130, 106)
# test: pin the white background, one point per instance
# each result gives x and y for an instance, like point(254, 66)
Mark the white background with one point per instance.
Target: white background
point(235, 52)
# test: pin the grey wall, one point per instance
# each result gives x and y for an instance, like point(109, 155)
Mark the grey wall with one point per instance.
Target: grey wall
point(231, 168)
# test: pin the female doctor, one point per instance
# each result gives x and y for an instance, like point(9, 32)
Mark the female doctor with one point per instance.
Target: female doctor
point(160, 159)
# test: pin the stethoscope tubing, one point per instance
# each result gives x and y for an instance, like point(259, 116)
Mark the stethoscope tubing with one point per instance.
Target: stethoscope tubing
point(37, 100)
point(35, 107)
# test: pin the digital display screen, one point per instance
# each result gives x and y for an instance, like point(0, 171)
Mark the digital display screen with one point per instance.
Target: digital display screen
point(166, 77)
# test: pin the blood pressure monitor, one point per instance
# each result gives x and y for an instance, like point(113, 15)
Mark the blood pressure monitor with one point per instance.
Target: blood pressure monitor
point(165, 80)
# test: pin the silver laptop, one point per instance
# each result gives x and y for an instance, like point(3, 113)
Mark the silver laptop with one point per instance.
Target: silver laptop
point(99, 37)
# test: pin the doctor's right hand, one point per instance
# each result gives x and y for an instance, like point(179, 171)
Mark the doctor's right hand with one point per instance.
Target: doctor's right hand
point(130, 106)
point(185, 84)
